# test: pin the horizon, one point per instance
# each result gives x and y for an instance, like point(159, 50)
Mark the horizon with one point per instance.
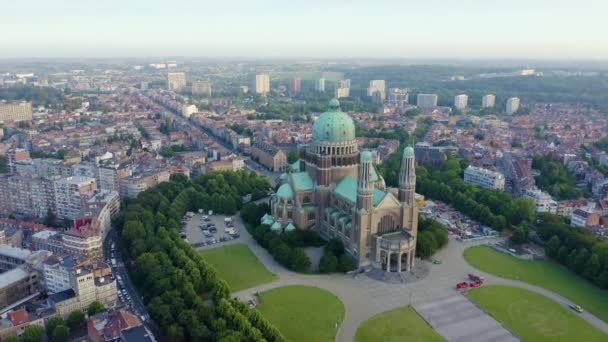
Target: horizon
point(386, 29)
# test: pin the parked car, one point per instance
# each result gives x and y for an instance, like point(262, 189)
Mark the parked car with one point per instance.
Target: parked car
point(462, 285)
point(436, 261)
point(235, 235)
point(576, 308)
point(475, 284)
point(475, 277)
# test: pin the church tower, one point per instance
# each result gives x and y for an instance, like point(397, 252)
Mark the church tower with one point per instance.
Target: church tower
point(407, 177)
point(365, 186)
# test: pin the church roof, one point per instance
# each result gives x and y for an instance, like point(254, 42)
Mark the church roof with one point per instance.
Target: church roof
point(334, 125)
point(290, 227)
point(267, 219)
point(295, 166)
point(276, 226)
point(347, 188)
point(302, 181)
point(285, 192)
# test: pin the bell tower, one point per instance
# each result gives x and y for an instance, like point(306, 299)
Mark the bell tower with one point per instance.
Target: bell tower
point(407, 177)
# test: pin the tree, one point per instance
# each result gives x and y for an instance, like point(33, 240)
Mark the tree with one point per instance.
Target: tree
point(346, 263)
point(520, 209)
point(580, 261)
point(552, 247)
point(300, 261)
point(50, 218)
point(592, 267)
point(95, 308)
point(11, 338)
point(328, 263)
point(562, 255)
point(61, 333)
point(520, 234)
point(75, 319)
point(33, 333)
point(293, 156)
point(52, 323)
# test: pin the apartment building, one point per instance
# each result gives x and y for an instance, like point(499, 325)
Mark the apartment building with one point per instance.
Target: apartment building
point(71, 194)
point(262, 84)
point(270, 156)
point(202, 88)
point(342, 89)
point(488, 101)
point(15, 112)
point(426, 101)
point(543, 201)
point(512, 105)
point(176, 81)
point(484, 178)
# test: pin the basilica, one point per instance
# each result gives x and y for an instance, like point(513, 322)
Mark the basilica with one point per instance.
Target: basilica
point(335, 189)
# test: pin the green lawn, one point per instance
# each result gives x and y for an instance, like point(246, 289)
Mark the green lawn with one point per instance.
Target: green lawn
point(547, 274)
point(534, 317)
point(402, 324)
point(303, 313)
point(238, 266)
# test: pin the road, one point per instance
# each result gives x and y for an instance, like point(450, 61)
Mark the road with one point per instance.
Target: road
point(136, 305)
point(364, 297)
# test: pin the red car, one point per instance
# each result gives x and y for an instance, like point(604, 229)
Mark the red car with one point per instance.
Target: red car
point(462, 285)
point(475, 284)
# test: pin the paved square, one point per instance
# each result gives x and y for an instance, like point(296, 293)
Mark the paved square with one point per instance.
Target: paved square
point(459, 320)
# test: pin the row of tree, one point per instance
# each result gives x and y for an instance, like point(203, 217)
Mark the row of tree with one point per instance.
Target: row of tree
point(173, 278)
point(576, 248)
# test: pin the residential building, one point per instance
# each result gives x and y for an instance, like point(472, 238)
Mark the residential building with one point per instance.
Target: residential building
point(133, 185)
point(427, 155)
point(320, 84)
point(397, 97)
point(71, 194)
point(14, 257)
point(518, 174)
point(426, 101)
point(543, 201)
point(17, 284)
point(89, 283)
point(119, 325)
point(270, 156)
point(295, 85)
point(176, 81)
point(512, 105)
point(262, 84)
point(15, 112)
point(16, 155)
point(338, 193)
point(17, 320)
point(202, 88)
point(48, 240)
point(461, 101)
point(57, 272)
point(488, 101)
point(28, 196)
point(584, 218)
point(566, 207)
point(484, 178)
point(233, 164)
point(342, 88)
point(188, 110)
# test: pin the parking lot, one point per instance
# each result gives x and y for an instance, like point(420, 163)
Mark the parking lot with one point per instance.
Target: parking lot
point(208, 231)
point(456, 222)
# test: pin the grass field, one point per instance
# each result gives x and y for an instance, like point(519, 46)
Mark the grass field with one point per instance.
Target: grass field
point(545, 274)
point(402, 324)
point(303, 313)
point(534, 317)
point(238, 266)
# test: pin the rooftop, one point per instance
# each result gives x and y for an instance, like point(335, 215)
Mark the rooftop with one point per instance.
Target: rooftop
point(14, 252)
point(12, 276)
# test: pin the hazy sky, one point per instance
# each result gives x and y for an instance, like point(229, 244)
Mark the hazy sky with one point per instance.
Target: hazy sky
point(559, 29)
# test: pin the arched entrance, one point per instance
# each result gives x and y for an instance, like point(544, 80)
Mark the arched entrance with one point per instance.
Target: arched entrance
point(404, 263)
point(394, 262)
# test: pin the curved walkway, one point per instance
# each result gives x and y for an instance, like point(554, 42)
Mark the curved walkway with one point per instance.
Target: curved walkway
point(364, 297)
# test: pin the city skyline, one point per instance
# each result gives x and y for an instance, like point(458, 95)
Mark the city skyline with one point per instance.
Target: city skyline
point(384, 29)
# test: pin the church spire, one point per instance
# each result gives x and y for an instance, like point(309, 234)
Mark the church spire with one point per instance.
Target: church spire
point(407, 176)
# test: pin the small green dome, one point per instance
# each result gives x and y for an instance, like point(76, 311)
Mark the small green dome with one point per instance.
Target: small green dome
point(408, 151)
point(334, 125)
point(366, 156)
point(284, 177)
point(285, 192)
point(276, 227)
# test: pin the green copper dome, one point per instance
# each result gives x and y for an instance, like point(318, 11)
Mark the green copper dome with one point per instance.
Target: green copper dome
point(408, 151)
point(366, 156)
point(285, 192)
point(334, 125)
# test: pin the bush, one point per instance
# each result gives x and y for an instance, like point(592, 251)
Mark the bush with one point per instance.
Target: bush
point(328, 263)
point(346, 263)
point(75, 319)
point(61, 333)
point(95, 308)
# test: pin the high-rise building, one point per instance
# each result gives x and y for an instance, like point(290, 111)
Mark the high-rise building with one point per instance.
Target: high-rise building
point(14, 112)
point(397, 97)
point(461, 101)
point(485, 178)
point(262, 84)
point(377, 86)
point(488, 101)
point(71, 194)
point(320, 84)
point(342, 88)
point(202, 88)
point(176, 81)
point(512, 105)
point(426, 101)
point(295, 85)
point(144, 85)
